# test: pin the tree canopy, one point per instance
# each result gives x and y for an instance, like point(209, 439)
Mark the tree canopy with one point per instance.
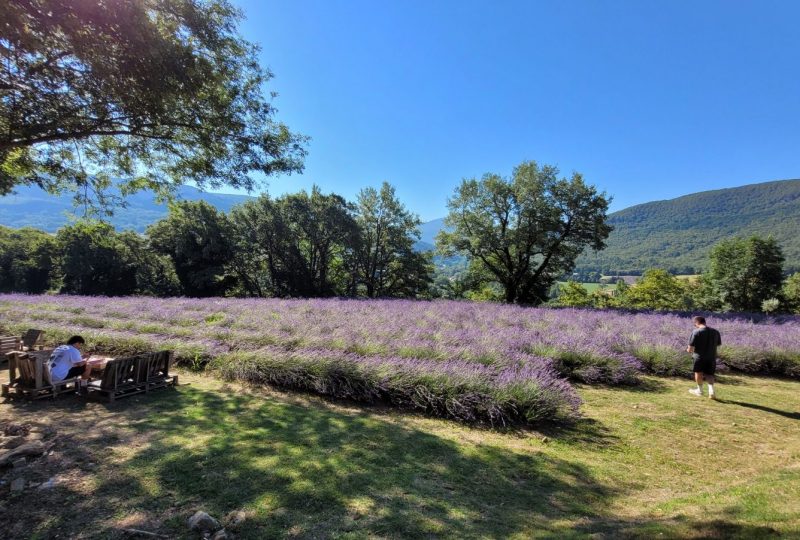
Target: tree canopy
point(527, 230)
point(746, 271)
point(159, 92)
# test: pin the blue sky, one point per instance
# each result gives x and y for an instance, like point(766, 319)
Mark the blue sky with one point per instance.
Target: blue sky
point(649, 100)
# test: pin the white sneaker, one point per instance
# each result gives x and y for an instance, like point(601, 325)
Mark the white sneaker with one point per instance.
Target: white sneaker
point(696, 392)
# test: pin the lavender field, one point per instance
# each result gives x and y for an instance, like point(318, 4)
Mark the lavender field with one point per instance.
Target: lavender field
point(468, 361)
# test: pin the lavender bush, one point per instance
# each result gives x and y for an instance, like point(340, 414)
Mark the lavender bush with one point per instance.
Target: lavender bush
point(457, 359)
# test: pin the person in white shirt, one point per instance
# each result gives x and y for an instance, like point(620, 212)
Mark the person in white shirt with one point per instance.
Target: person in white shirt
point(66, 361)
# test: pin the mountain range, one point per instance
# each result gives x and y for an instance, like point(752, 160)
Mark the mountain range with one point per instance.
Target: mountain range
point(675, 234)
point(678, 234)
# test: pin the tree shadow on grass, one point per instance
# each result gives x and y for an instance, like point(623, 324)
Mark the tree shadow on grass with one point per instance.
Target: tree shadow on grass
point(301, 470)
point(305, 469)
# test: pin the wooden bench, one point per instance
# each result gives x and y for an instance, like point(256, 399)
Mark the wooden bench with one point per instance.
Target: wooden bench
point(153, 370)
point(131, 375)
point(32, 382)
point(118, 380)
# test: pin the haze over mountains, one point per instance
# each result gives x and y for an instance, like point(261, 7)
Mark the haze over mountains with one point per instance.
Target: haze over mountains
point(676, 234)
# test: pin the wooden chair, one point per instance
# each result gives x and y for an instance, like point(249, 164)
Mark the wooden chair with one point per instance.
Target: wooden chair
point(28, 342)
point(120, 379)
point(153, 370)
point(33, 382)
point(9, 345)
point(31, 339)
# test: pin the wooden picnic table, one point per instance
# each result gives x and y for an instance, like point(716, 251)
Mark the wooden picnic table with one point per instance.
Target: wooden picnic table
point(98, 363)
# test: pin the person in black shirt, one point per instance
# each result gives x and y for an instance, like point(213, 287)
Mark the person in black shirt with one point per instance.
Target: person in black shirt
point(703, 346)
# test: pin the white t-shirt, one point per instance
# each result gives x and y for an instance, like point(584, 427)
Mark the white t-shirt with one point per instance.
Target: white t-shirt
point(61, 361)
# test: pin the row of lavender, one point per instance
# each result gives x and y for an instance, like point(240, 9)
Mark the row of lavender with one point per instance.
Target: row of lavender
point(462, 360)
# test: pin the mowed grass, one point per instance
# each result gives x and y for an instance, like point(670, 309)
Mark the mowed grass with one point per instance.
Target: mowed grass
point(645, 462)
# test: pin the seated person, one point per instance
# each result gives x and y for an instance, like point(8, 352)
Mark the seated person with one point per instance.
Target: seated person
point(66, 361)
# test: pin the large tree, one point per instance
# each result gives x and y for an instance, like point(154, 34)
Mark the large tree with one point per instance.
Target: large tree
point(159, 92)
point(292, 246)
point(746, 271)
point(26, 260)
point(526, 230)
point(385, 263)
point(198, 239)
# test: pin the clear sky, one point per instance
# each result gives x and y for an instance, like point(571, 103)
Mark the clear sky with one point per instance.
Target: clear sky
point(648, 99)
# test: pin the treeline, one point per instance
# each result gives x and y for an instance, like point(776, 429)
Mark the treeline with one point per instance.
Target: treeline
point(744, 275)
point(297, 245)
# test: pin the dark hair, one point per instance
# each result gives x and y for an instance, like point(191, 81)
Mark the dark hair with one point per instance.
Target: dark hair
point(699, 319)
point(75, 339)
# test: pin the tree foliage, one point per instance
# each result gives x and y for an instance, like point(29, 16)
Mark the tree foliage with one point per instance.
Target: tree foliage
point(26, 260)
point(657, 289)
point(197, 238)
point(791, 292)
point(93, 259)
point(94, 262)
point(158, 91)
point(384, 262)
point(573, 294)
point(746, 272)
point(293, 246)
point(527, 230)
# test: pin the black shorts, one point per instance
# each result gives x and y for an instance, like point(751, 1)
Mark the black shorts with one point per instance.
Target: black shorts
point(707, 367)
point(75, 371)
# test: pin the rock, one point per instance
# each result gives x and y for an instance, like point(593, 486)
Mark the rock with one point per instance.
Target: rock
point(20, 463)
point(202, 522)
point(236, 518)
point(33, 448)
point(13, 442)
point(18, 484)
point(50, 484)
point(16, 429)
point(220, 535)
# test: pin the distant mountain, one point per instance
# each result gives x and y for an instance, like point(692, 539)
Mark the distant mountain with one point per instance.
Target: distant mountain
point(677, 234)
point(33, 207)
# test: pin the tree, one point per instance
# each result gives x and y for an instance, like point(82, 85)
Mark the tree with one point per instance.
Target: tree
point(657, 289)
point(155, 273)
point(745, 272)
point(791, 292)
point(198, 240)
point(573, 294)
point(26, 259)
point(94, 262)
point(157, 91)
point(293, 246)
point(385, 263)
point(525, 231)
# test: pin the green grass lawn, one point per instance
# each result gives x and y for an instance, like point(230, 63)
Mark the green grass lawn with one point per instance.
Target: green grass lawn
point(643, 463)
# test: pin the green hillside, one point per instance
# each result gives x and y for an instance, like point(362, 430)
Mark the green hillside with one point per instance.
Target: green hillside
point(677, 234)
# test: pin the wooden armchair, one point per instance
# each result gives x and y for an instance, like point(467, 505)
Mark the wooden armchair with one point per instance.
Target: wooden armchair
point(120, 379)
point(9, 344)
point(28, 342)
point(153, 370)
point(31, 340)
point(33, 382)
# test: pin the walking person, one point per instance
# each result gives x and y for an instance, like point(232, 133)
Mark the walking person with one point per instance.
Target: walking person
point(703, 347)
